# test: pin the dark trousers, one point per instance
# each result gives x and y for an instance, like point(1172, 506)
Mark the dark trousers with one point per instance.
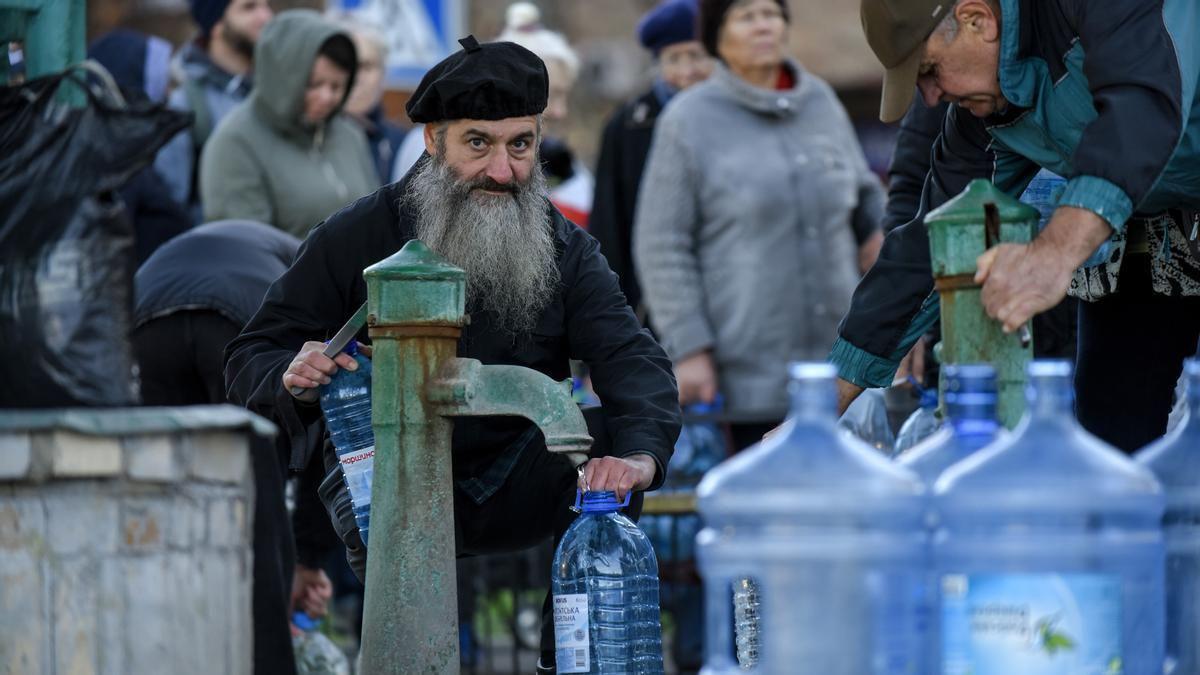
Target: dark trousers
point(1132, 344)
point(180, 357)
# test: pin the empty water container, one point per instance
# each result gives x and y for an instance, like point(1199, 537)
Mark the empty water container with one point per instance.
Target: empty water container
point(867, 418)
point(605, 585)
point(831, 534)
point(921, 424)
point(971, 411)
point(346, 404)
point(1049, 550)
point(1175, 460)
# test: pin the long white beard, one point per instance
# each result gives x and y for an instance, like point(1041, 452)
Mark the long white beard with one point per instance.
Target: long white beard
point(504, 242)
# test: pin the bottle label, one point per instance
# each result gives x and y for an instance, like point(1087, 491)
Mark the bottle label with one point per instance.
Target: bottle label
point(358, 468)
point(1033, 624)
point(571, 633)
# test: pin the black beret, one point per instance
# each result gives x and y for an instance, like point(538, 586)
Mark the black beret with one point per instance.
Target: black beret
point(491, 81)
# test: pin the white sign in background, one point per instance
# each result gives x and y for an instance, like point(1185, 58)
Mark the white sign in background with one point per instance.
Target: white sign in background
point(419, 33)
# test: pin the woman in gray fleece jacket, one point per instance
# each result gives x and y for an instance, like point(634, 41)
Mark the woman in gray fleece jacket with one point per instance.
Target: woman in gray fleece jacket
point(757, 213)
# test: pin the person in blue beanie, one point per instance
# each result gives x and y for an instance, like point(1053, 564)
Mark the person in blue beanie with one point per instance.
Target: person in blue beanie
point(669, 32)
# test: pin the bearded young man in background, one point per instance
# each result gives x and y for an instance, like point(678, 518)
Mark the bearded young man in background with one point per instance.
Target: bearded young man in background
point(539, 293)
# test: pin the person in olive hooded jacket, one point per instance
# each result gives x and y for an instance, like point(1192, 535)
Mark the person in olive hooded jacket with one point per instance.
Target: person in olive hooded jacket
point(287, 155)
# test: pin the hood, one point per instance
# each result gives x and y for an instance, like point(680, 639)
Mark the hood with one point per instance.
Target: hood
point(283, 60)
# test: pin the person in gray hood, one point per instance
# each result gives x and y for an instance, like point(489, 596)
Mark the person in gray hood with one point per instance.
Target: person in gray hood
point(287, 155)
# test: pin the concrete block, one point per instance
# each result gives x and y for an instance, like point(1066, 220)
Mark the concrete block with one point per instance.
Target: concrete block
point(16, 456)
point(22, 522)
point(74, 455)
point(152, 458)
point(82, 518)
point(193, 649)
point(75, 619)
point(221, 456)
point(110, 628)
point(149, 601)
point(145, 522)
point(24, 614)
point(188, 516)
point(227, 524)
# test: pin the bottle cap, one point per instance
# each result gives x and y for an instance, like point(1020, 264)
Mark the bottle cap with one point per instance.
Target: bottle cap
point(600, 502)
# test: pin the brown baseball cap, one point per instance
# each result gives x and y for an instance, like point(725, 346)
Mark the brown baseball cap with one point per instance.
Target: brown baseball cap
point(896, 31)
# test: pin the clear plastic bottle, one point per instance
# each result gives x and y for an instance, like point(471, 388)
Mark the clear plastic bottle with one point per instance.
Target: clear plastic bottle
point(867, 418)
point(971, 411)
point(1049, 549)
point(832, 535)
point(1175, 460)
point(746, 606)
point(605, 586)
point(346, 403)
point(315, 653)
point(921, 424)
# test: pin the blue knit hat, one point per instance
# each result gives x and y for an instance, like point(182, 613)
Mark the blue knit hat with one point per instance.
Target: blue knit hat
point(671, 22)
point(207, 13)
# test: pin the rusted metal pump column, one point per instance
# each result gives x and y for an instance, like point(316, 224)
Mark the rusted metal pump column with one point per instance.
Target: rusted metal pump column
point(959, 232)
point(416, 310)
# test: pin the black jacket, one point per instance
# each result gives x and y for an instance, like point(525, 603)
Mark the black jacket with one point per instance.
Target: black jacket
point(588, 319)
point(225, 266)
point(623, 150)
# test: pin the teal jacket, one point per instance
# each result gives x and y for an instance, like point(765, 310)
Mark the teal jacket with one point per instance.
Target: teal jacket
point(1101, 92)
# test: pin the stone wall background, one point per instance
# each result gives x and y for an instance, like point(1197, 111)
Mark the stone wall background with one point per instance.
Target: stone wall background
point(126, 553)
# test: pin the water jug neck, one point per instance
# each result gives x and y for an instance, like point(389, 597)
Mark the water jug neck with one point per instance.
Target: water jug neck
point(1191, 371)
point(1049, 391)
point(971, 398)
point(599, 502)
point(813, 392)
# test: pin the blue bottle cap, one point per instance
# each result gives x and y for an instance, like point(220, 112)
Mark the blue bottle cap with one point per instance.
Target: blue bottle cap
point(600, 502)
point(305, 622)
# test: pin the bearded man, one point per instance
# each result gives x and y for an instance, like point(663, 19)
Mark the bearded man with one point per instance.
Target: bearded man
point(539, 293)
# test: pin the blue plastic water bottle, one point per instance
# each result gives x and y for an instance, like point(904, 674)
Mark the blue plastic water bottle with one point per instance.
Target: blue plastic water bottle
point(605, 585)
point(1049, 550)
point(830, 534)
point(346, 403)
point(1175, 459)
point(921, 424)
point(971, 409)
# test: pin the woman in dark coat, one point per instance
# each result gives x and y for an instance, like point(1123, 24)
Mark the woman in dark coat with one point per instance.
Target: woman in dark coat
point(669, 31)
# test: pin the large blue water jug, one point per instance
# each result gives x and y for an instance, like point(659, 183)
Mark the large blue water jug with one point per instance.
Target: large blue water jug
point(700, 447)
point(970, 394)
point(1175, 460)
point(1049, 550)
point(346, 404)
point(831, 535)
point(605, 586)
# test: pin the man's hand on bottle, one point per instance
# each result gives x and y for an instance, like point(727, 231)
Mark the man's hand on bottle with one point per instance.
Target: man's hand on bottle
point(618, 474)
point(311, 369)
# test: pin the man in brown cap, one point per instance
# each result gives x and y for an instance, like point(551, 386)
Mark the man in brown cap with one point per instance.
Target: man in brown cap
point(538, 291)
point(1102, 93)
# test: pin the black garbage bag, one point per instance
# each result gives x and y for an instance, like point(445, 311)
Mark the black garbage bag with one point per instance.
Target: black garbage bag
point(66, 246)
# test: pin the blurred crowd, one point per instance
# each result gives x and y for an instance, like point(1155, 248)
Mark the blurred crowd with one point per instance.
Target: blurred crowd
point(733, 276)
